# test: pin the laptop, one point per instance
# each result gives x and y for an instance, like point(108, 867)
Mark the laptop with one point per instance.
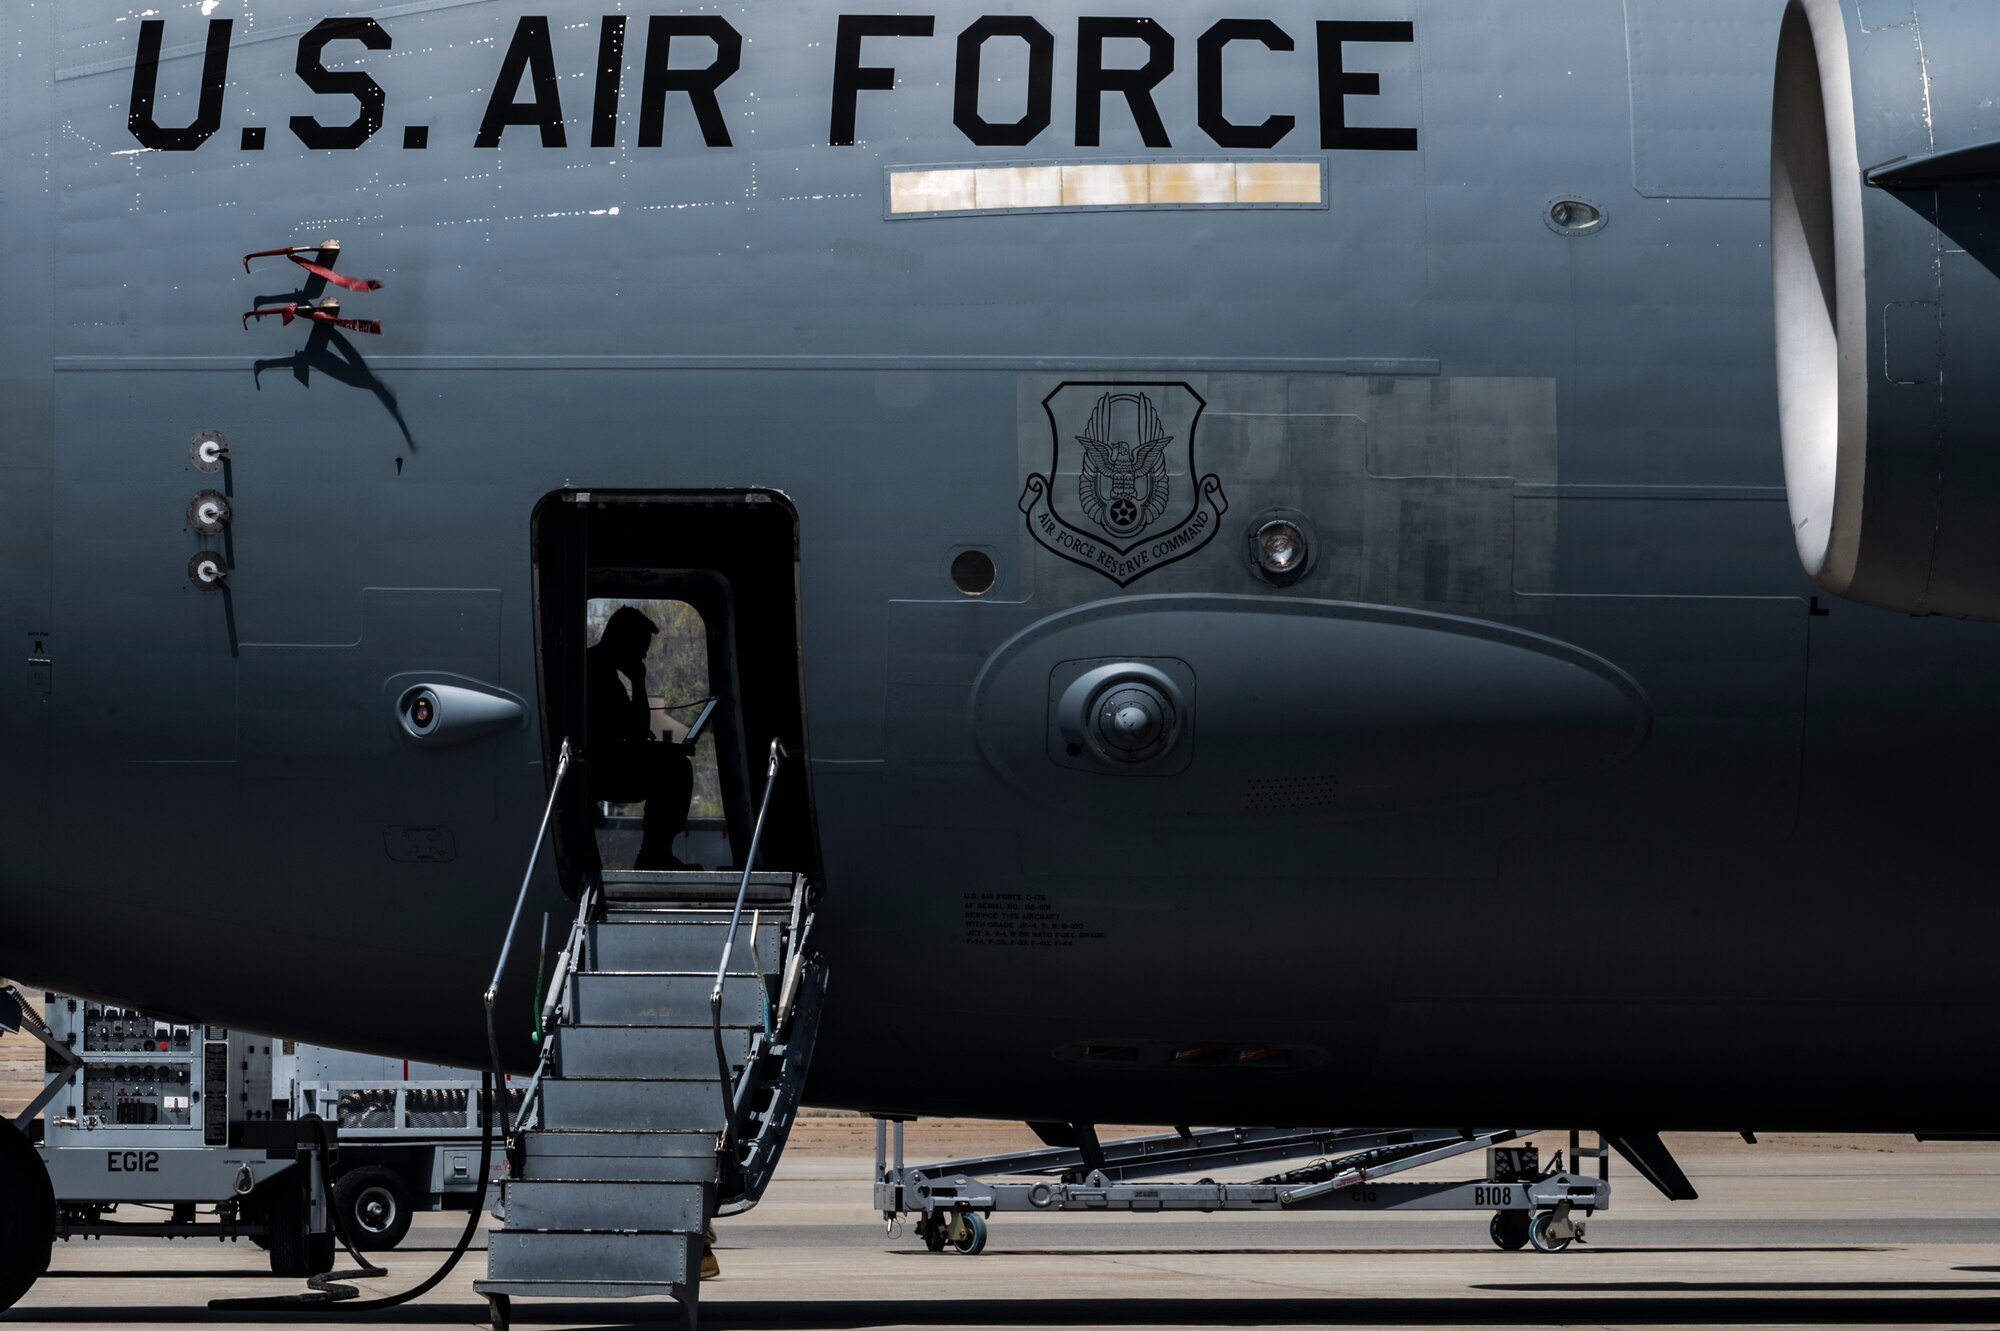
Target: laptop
point(699, 724)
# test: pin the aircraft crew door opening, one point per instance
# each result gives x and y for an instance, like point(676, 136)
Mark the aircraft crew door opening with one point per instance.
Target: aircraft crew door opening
point(668, 652)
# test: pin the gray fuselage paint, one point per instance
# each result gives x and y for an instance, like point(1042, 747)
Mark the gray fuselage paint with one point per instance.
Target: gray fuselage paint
point(1748, 888)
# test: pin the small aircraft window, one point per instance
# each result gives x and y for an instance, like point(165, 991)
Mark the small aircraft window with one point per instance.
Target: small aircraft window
point(678, 693)
point(972, 572)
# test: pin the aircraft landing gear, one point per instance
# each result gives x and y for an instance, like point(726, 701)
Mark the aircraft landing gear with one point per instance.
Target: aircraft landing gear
point(27, 1215)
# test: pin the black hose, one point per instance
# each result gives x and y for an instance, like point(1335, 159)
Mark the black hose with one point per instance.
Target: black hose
point(324, 1293)
point(327, 1282)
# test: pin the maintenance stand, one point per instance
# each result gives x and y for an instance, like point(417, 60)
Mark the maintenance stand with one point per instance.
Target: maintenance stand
point(1530, 1205)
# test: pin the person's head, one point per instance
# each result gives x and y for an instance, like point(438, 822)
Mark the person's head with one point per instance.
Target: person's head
point(628, 635)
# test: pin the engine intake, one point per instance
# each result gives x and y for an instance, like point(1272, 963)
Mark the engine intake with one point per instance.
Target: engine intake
point(1885, 251)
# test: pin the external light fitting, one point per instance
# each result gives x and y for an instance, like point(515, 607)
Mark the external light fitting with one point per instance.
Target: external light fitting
point(1279, 550)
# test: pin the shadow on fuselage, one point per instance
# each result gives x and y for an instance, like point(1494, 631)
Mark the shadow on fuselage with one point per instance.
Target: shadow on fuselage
point(329, 351)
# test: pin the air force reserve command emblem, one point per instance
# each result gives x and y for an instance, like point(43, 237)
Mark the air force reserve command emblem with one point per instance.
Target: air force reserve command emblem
point(1120, 495)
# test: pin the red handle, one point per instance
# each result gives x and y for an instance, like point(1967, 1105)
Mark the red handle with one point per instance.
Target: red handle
point(328, 317)
point(319, 270)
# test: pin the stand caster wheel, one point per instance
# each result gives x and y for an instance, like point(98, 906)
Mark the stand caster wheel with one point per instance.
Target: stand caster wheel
point(1538, 1234)
point(969, 1234)
point(1509, 1230)
point(931, 1230)
point(499, 1311)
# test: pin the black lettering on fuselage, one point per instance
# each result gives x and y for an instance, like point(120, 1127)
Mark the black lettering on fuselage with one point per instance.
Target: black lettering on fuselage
point(355, 84)
point(531, 55)
point(850, 76)
point(1093, 80)
point(1208, 83)
point(146, 80)
point(967, 83)
point(1336, 85)
point(1142, 56)
point(610, 72)
point(699, 83)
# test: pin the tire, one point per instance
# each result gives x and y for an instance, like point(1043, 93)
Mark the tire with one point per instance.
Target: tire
point(1538, 1233)
point(931, 1231)
point(974, 1241)
point(376, 1206)
point(27, 1216)
point(1509, 1230)
point(293, 1251)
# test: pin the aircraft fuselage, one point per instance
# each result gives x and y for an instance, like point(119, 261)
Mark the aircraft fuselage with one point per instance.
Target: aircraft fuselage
point(1548, 790)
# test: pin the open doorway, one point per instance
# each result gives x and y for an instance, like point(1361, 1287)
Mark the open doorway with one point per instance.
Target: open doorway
point(667, 632)
point(678, 689)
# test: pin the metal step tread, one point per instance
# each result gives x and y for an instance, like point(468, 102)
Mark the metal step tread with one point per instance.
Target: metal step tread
point(612, 1025)
point(619, 1105)
point(693, 912)
point(575, 1289)
point(739, 1029)
point(617, 1258)
point(686, 946)
point(695, 885)
point(657, 1080)
point(621, 1206)
point(623, 1169)
point(707, 977)
point(689, 912)
point(620, 1078)
point(613, 1141)
point(620, 1051)
point(661, 1079)
point(663, 1000)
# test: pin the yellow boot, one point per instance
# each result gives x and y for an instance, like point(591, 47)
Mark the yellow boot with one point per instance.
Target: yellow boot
point(710, 1268)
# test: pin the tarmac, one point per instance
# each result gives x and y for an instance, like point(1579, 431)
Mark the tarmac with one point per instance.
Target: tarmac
point(1794, 1231)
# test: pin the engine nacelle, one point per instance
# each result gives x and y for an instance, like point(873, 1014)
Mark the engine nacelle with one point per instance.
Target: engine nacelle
point(1885, 251)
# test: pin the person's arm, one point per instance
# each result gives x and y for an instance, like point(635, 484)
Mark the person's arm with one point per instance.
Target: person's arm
point(637, 717)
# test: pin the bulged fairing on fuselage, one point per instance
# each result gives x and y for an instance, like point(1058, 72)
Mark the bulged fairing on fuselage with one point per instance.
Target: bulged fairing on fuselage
point(1547, 741)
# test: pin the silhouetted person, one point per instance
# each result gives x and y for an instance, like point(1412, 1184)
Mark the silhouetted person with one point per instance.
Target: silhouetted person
point(627, 765)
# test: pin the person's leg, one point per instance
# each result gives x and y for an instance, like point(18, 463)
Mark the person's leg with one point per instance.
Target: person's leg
point(669, 786)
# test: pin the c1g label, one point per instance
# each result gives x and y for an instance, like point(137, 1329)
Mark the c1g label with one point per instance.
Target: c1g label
point(132, 1162)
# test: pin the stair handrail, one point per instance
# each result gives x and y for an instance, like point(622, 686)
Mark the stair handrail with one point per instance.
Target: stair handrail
point(514, 924)
point(778, 751)
point(568, 960)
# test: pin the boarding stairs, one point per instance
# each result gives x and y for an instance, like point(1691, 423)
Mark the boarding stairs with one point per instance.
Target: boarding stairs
point(676, 1031)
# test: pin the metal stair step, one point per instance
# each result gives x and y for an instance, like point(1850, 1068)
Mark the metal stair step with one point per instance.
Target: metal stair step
point(645, 999)
point(684, 912)
point(695, 885)
point(621, 1168)
point(664, 1144)
point(609, 1259)
point(674, 1157)
point(569, 1104)
point(575, 1289)
point(653, 1207)
point(686, 946)
point(645, 1051)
